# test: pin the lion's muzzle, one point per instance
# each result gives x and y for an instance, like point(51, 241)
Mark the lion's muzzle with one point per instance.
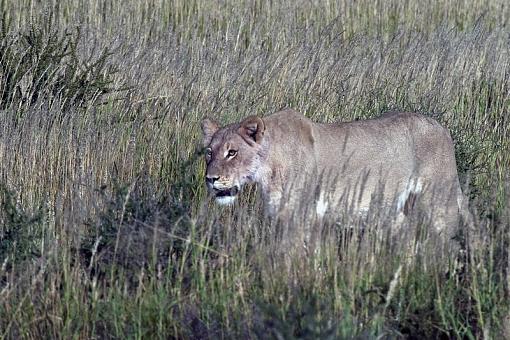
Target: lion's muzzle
point(224, 191)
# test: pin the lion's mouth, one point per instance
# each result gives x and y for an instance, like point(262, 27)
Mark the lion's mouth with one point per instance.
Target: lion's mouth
point(230, 192)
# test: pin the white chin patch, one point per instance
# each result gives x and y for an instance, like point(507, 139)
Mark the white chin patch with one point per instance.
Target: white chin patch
point(322, 207)
point(225, 200)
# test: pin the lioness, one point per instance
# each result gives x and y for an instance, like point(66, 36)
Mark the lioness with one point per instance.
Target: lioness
point(402, 158)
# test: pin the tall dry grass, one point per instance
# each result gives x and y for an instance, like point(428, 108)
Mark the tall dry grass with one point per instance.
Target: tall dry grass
point(105, 230)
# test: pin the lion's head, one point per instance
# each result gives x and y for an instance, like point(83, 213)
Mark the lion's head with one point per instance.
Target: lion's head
point(233, 155)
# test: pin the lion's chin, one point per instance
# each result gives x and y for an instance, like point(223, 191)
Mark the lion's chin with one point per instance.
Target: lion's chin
point(226, 196)
point(225, 200)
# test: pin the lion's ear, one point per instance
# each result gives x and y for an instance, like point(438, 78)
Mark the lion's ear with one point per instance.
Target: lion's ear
point(252, 129)
point(209, 128)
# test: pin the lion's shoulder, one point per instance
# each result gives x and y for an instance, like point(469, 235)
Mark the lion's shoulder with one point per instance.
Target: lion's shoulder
point(286, 115)
point(289, 126)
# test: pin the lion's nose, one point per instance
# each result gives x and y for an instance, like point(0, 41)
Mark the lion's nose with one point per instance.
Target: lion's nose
point(211, 179)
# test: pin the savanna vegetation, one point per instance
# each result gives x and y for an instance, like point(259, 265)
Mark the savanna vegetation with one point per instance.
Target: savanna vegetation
point(105, 229)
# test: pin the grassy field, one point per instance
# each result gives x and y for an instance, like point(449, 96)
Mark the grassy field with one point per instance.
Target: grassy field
point(105, 229)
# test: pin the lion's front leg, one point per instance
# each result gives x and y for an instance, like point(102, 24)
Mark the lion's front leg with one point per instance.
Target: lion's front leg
point(296, 222)
point(273, 202)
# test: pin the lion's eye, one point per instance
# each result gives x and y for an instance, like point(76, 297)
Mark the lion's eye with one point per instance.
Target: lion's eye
point(231, 153)
point(208, 152)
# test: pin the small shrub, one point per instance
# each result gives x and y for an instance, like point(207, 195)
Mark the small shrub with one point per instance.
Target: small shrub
point(43, 63)
point(138, 227)
point(20, 231)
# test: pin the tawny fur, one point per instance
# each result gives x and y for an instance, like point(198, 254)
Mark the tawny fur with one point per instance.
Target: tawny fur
point(397, 158)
